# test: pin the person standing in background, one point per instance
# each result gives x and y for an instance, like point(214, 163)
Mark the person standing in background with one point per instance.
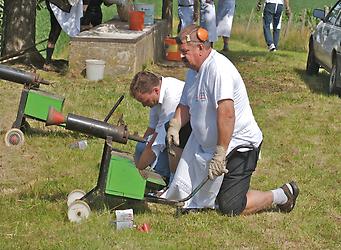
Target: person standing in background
point(272, 14)
point(93, 13)
point(208, 19)
point(224, 20)
point(187, 12)
point(64, 15)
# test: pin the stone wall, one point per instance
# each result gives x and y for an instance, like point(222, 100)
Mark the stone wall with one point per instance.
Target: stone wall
point(124, 51)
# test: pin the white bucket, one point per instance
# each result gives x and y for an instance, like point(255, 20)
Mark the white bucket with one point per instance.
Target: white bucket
point(94, 69)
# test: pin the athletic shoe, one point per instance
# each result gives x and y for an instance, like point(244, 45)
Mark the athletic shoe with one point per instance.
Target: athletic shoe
point(290, 204)
point(272, 48)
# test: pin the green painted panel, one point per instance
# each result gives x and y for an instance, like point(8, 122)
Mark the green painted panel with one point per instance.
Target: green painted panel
point(38, 103)
point(124, 179)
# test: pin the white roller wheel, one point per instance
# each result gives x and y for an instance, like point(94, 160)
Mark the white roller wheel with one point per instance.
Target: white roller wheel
point(75, 195)
point(14, 138)
point(78, 210)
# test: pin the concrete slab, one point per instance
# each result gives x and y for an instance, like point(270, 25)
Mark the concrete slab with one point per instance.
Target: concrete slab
point(124, 51)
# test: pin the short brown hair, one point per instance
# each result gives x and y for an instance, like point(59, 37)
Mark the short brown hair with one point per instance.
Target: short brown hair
point(143, 82)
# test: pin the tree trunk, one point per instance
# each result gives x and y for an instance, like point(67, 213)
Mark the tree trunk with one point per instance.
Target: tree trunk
point(167, 13)
point(19, 31)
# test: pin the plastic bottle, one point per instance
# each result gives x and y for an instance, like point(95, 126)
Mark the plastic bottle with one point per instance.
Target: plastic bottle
point(79, 144)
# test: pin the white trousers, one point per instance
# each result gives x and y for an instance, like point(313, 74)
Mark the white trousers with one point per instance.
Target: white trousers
point(186, 15)
point(208, 19)
point(225, 14)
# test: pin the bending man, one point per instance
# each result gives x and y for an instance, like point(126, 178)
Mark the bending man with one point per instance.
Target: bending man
point(162, 95)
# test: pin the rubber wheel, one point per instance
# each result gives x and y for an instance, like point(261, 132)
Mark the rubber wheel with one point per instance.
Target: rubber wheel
point(332, 79)
point(78, 211)
point(76, 194)
point(312, 66)
point(14, 138)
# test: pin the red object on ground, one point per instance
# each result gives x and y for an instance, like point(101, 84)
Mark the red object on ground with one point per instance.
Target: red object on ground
point(145, 227)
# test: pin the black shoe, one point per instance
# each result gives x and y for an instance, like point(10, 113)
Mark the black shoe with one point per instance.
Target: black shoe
point(290, 204)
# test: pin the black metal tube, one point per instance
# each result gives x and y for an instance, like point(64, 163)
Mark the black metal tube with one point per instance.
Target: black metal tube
point(21, 76)
point(113, 108)
point(16, 75)
point(97, 128)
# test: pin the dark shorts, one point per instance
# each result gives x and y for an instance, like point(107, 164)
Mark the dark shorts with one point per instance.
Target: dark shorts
point(232, 194)
point(93, 16)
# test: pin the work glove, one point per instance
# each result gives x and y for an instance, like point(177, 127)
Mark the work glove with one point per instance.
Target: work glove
point(259, 5)
point(217, 165)
point(173, 135)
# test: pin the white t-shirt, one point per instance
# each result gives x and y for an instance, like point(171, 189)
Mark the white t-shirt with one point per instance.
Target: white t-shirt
point(218, 79)
point(186, 2)
point(170, 94)
point(275, 1)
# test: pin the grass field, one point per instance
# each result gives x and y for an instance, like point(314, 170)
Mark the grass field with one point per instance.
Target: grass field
point(302, 134)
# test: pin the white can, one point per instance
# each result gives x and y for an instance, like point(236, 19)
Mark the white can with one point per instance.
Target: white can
point(124, 219)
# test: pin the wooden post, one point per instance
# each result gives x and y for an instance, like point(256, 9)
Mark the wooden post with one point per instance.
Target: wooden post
point(167, 13)
point(303, 20)
point(250, 19)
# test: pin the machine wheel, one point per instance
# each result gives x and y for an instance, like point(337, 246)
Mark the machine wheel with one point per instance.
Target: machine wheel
point(78, 210)
point(312, 67)
point(14, 137)
point(76, 194)
point(332, 79)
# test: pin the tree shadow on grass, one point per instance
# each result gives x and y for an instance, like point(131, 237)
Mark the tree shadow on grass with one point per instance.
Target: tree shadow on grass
point(317, 83)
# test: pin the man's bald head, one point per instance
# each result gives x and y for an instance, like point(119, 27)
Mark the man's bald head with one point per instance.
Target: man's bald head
point(193, 33)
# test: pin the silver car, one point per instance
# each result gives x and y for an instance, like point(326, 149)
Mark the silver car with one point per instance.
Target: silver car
point(325, 47)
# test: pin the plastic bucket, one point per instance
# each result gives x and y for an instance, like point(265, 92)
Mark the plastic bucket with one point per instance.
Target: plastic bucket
point(172, 49)
point(94, 69)
point(136, 20)
point(148, 10)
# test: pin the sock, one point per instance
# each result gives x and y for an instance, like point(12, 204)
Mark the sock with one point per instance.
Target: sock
point(279, 197)
point(49, 52)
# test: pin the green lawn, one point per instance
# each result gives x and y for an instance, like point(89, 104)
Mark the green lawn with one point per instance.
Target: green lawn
point(302, 134)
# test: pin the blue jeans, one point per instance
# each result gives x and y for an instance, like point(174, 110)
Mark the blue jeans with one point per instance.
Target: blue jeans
point(162, 165)
point(271, 15)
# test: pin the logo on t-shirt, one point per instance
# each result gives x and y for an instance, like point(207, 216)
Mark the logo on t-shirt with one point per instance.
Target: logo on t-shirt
point(202, 96)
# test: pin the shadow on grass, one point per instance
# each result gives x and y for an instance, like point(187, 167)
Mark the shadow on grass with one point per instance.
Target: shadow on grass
point(36, 132)
point(60, 66)
point(317, 83)
point(236, 55)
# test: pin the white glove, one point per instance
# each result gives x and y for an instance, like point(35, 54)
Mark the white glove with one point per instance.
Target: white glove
point(218, 163)
point(73, 2)
point(173, 135)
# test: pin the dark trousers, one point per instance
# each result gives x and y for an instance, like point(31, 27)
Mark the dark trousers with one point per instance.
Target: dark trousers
point(55, 28)
point(272, 15)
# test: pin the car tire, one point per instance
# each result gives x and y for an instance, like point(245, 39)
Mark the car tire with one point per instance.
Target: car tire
point(312, 66)
point(332, 79)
